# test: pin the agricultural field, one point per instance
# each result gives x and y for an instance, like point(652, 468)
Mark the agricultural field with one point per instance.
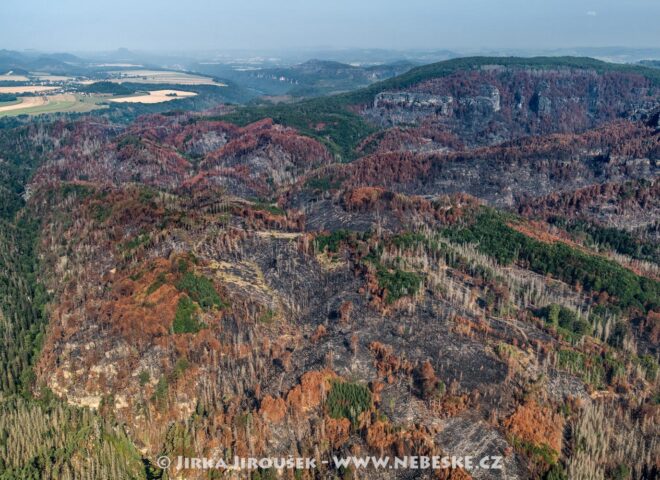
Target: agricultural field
point(162, 76)
point(60, 103)
point(156, 96)
point(10, 77)
point(47, 77)
point(79, 103)
point(22, 103)
point(8, 103)
point(118, 65)
point(26, 89)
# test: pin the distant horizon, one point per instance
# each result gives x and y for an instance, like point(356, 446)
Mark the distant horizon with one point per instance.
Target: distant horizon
point(456, 50)
point(210, 25)
point(614, 53)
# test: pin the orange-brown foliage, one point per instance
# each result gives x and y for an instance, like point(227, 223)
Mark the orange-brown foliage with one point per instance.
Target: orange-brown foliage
point(536, 424)
point(273, 409)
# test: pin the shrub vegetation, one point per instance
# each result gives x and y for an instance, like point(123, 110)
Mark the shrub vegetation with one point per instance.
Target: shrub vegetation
point(348, 400)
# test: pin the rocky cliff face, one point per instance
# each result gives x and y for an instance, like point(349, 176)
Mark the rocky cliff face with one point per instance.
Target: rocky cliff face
point(498, 103)
point(422, 104)
point(629, 205)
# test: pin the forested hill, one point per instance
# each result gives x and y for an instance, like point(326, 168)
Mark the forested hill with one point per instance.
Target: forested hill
point(460, 261)
point(448, 67)
point(343, 121)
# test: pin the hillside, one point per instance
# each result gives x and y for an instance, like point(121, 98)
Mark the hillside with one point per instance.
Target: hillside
point(62, 64)
point(343, 121)
point(385, 272)
point(312, 78)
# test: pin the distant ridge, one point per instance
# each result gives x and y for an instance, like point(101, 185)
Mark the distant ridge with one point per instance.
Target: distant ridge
point(343, 129)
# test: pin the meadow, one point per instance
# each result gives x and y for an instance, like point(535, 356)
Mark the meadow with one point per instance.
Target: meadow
point(61, 103)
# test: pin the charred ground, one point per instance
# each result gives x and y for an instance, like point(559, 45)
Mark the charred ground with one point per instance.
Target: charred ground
point(481, 279)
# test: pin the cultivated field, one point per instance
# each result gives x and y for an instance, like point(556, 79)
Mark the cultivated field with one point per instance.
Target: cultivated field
point(8, 104)
point(61, 103)
point(118, 65)
point(156, 96)
point(24, 103)
point(162, 76)
point(27, 89)
point(9, 77)
point(45, 77)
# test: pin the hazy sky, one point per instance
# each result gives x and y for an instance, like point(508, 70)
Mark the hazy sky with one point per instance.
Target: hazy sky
point(161, 25)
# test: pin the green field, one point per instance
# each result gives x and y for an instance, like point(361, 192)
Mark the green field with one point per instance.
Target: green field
point(81, 104)
point(8, 104)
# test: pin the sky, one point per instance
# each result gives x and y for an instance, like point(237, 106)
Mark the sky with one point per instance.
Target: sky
point(206, 25)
